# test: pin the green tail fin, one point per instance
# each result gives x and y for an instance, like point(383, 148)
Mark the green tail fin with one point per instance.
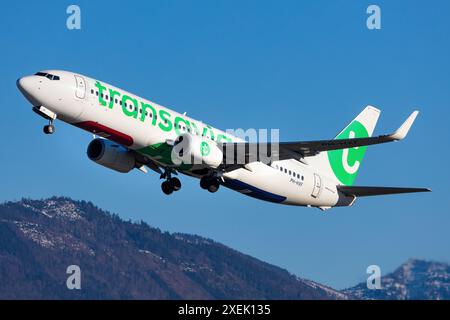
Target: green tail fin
point(346, 163)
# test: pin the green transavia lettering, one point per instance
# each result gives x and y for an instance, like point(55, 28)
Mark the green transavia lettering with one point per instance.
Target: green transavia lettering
point(143, 111)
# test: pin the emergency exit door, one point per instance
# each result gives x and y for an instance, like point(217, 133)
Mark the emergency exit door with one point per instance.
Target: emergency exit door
point(317, 186)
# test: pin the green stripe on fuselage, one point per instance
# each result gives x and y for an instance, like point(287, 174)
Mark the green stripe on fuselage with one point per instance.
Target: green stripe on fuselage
point(162, 152)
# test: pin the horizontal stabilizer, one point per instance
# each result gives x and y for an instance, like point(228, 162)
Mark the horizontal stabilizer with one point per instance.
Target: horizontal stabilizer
point(359, 191)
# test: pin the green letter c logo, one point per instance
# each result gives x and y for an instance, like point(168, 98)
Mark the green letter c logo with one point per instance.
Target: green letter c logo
point(345, 162)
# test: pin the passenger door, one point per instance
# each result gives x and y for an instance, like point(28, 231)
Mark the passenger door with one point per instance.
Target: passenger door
point(80, 91)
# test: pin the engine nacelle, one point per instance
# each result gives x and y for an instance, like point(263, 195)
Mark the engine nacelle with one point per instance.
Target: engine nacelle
point(194, 150)
point(111, 155)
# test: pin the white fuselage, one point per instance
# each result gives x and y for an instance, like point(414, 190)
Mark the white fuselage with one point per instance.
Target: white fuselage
point(76, 99)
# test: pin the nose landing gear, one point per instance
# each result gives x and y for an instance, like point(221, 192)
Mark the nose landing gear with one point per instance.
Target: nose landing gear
point(171, 184)
point(50, 128)
point(46, 114)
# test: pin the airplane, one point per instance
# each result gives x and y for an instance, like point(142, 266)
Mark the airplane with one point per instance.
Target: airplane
point(131, 132)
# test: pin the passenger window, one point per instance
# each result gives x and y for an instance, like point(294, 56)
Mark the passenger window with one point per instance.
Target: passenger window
point(96, 93)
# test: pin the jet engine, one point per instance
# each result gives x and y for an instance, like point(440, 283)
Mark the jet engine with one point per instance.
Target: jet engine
point(111, 155)
point(197, 151)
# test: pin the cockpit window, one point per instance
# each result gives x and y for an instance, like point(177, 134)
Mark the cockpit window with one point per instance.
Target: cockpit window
point(47, 75)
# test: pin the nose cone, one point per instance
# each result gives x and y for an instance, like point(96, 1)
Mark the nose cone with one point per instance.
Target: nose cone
point(27, 85)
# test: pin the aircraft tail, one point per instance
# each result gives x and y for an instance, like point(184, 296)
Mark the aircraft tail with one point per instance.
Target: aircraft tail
point(344, 164)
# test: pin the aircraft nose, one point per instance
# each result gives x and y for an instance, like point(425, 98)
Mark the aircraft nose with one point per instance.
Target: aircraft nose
point(29, 88)
point(25, 84)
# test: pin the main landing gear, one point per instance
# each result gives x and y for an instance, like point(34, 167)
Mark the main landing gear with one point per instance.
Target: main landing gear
point(210, 183)
point(171, 184)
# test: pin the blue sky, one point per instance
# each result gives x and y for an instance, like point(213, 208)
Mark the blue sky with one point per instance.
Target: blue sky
point(306, 68)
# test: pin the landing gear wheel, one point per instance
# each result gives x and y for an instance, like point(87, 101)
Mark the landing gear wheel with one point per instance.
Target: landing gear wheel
point(49, 129)
point(214, 185)
point(209, 183)
point(170, 184)
point(176, 184)
point(204, 182)
point(167, 187)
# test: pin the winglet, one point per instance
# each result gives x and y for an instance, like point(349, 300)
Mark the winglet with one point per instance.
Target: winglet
point(404, 128)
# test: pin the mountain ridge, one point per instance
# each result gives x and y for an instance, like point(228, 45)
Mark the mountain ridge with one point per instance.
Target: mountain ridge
point(121, 259)
point(125, 260)
point(416, 279)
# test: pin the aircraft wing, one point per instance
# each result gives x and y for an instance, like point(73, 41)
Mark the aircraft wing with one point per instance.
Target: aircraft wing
point(250, 152)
